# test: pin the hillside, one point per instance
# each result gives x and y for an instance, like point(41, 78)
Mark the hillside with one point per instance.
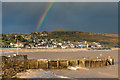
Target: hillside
point(61, 35)
point(107, 39)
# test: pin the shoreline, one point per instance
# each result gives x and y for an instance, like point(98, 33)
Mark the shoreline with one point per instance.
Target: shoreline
point(39, 50)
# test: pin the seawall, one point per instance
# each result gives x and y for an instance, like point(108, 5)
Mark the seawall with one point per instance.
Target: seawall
point(14, 64)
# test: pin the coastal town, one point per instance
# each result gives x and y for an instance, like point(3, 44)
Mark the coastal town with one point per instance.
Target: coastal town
point(54, 44)
point(31, 41)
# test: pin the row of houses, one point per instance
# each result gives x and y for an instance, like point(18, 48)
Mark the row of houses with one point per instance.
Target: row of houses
point(54, 44)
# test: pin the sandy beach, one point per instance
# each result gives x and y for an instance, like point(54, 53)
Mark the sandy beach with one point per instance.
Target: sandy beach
point(10, 50)
point(102, 72)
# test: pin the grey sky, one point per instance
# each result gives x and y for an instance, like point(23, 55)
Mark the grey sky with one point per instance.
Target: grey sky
point(98, 17)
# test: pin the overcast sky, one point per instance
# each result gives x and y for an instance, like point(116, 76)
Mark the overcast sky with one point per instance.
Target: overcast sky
point(100, 17)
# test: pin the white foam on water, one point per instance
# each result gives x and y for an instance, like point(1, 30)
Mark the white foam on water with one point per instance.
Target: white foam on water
point(61, 76)
point(47, 74)
point(77, 68)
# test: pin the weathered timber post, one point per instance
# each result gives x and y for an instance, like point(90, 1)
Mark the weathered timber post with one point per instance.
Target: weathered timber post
point(96, 64)
point(67, 63)
point(47, 65)
point(76, 62)
point(86, 63)
point(36, 64)
point(92, 64)
point(79, 62)
point(57, 64)
point(89, 63)
point(83, 63)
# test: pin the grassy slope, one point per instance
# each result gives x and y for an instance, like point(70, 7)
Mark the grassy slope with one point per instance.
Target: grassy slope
point(108, 39)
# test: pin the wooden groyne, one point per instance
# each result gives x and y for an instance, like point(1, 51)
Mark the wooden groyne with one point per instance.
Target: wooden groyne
point(14, 64)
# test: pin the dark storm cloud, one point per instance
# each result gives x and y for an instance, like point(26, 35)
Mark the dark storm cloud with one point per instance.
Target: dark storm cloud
point(87, 17)
point(91, 17)
point(21, 17)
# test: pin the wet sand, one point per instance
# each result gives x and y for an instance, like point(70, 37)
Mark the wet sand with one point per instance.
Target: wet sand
point(75, 54)
point(102, 72)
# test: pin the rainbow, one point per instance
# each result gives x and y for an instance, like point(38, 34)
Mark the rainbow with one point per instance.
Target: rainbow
point(42, 19)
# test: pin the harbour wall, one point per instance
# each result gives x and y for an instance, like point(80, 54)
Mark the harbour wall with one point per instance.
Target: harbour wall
point(14, 64)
